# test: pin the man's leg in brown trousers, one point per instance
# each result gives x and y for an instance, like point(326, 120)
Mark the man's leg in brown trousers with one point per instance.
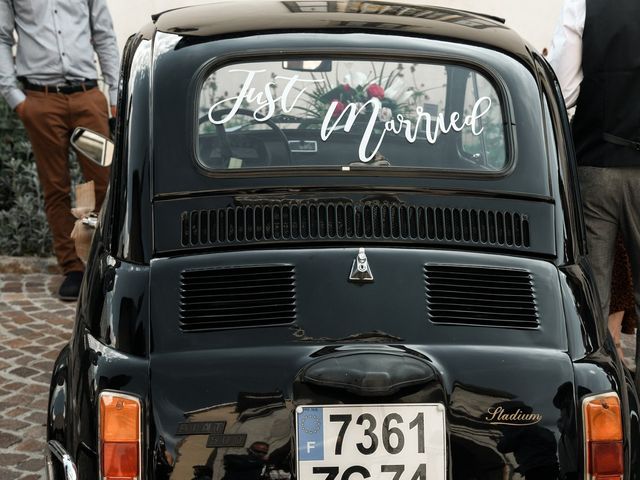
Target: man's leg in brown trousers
point(46, 121)
point(90, 110)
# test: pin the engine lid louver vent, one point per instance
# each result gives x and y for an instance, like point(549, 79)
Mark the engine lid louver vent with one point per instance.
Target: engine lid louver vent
point(481, 296)
point(344, 221)
point(248, 296)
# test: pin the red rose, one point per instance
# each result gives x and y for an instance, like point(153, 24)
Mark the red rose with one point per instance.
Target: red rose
point(339, 108)
point(375, 90)
point(346, 88)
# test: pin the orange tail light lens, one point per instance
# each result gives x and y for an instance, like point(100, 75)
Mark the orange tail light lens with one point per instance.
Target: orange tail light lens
point(119, 436)
point(603, 437)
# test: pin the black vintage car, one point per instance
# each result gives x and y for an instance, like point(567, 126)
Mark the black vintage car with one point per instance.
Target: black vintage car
point(343, 241)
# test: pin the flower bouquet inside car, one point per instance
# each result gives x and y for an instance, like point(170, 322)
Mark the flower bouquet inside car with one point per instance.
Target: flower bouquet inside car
point(358, 89)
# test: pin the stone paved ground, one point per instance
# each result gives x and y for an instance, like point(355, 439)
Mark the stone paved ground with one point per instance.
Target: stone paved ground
point(34, 326)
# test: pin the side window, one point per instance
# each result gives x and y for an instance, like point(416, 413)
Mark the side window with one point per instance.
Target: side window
point(486, 150)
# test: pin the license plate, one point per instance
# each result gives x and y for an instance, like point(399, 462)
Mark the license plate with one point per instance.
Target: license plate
point(371, 442)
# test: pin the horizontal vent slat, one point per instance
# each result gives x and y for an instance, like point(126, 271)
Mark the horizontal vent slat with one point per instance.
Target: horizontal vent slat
point(479, 296)
point(238, 281)
point(237, 306)
point(277, 284)
point(234, 323)
point(225, 299)
point(480, 320)
point(236, 297)
point(480, 313)
point(232, 277)
point(480, 299)
point(231, 320)
point(222, 293)
point(486, 309)
point(473, 271)
point(488, 286)
point(488, 322)
point(235, 314)
point(478, 278)
point(235, 277)
point(489, 292)
point(477, 285)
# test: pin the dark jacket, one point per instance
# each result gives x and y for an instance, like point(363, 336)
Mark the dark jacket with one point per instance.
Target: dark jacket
point(607, 120)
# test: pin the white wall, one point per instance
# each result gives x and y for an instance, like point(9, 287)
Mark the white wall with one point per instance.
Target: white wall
point(535, 21)
point(130, 15)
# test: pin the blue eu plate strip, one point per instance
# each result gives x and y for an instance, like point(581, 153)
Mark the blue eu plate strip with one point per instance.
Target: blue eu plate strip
point(310, 434)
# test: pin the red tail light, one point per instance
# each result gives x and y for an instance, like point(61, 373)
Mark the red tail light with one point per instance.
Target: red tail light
point(603, 437)
point(120, 437)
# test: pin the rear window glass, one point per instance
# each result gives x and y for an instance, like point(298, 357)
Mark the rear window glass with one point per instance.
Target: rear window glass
point(350, 114)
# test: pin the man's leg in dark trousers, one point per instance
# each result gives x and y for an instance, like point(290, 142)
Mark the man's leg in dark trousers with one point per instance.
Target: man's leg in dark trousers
point(601, 205)
point(630, 226)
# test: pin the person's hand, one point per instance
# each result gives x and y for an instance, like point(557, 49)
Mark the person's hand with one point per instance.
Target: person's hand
point(114, 111)
point(20, 109)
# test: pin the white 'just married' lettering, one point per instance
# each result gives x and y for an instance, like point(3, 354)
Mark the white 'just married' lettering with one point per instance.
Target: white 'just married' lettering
point(432, 126)
point(265, 105)
point(264, 99)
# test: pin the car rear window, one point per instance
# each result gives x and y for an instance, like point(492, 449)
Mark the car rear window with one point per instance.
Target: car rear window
point(344, 114)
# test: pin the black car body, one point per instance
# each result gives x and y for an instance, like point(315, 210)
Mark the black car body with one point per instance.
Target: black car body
point(261, 278)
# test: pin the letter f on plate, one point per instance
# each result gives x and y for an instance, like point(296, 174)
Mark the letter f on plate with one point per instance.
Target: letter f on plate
point(310, 428)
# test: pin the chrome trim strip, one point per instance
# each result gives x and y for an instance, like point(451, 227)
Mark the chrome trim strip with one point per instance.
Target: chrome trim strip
point(69, 468)
point(48, 464)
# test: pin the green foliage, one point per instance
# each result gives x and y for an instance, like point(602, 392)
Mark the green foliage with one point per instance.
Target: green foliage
point(23, 225)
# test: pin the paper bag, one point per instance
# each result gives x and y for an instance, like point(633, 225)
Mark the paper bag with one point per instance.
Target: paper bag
point(85, 204)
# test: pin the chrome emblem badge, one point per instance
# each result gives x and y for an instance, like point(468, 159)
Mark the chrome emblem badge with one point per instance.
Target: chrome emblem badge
point(360, 270)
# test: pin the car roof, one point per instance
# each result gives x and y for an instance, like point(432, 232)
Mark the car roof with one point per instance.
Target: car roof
point(229, 17)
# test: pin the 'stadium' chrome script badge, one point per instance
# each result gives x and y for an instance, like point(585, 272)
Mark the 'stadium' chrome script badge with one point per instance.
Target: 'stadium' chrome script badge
point(519, 416)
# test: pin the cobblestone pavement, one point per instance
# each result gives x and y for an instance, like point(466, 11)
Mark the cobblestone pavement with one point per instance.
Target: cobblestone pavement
point(34, 326)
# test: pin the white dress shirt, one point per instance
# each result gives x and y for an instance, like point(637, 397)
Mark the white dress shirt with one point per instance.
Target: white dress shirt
point(565, 55)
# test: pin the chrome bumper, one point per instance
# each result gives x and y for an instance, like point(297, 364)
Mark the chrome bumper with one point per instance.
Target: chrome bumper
point(60, 454)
